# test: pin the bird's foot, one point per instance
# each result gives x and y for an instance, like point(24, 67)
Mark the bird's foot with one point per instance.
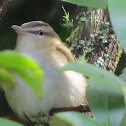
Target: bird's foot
point(40, 119)
point(42, 124)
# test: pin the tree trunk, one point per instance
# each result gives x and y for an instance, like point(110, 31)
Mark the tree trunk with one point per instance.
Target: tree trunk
point(93, 40)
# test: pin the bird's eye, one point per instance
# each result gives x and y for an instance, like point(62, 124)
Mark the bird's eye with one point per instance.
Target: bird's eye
point(40, 32)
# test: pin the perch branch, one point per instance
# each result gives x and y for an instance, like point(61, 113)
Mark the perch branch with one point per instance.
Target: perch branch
point(81, 108)
point(4, 6)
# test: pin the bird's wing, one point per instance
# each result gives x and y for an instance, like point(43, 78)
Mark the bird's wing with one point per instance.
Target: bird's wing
point(66, 52)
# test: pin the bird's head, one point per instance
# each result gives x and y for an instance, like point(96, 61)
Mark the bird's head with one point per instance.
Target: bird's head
point(35, 35)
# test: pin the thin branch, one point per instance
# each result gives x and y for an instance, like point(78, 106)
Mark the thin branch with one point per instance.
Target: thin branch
point(81, 108)
point(4, 6)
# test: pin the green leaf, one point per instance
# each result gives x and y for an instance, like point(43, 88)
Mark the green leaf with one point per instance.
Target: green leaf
point(124, 91)
point(105, 96)
point(89, 3)
point(123, 122)
point(123, 75)
point(77, 119)
point(107, 105)
point(97, 74)
point(25, 68)
point(5, 122)
point(117, 10)
point(6, 79)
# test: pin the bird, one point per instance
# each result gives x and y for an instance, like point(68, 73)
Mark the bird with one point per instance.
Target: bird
point(37, 40)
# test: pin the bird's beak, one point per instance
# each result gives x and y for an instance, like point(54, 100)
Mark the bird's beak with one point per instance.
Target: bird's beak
point(18, 29)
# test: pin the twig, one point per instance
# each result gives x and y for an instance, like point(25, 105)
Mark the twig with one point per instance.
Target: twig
point(81, 108)
point(4, 6)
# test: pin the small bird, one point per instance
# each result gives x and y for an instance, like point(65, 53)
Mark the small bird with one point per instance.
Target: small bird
point(38, 40)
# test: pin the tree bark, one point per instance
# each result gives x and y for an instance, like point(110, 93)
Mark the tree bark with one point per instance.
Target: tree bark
point(93, 40)
point(4, 6)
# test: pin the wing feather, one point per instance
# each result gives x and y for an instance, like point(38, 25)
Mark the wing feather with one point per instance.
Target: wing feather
point(63, 49)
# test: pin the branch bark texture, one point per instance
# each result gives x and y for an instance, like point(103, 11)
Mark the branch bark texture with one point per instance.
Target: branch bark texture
point(93, 40)
point(3, 7)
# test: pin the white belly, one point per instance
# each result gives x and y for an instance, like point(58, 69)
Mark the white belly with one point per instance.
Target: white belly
point(59, 90)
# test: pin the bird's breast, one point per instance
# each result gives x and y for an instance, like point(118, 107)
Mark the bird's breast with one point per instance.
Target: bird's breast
point(59, 89)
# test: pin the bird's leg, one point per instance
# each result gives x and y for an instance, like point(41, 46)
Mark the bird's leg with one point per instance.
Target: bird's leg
point(42, 124)
point(39, 120)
